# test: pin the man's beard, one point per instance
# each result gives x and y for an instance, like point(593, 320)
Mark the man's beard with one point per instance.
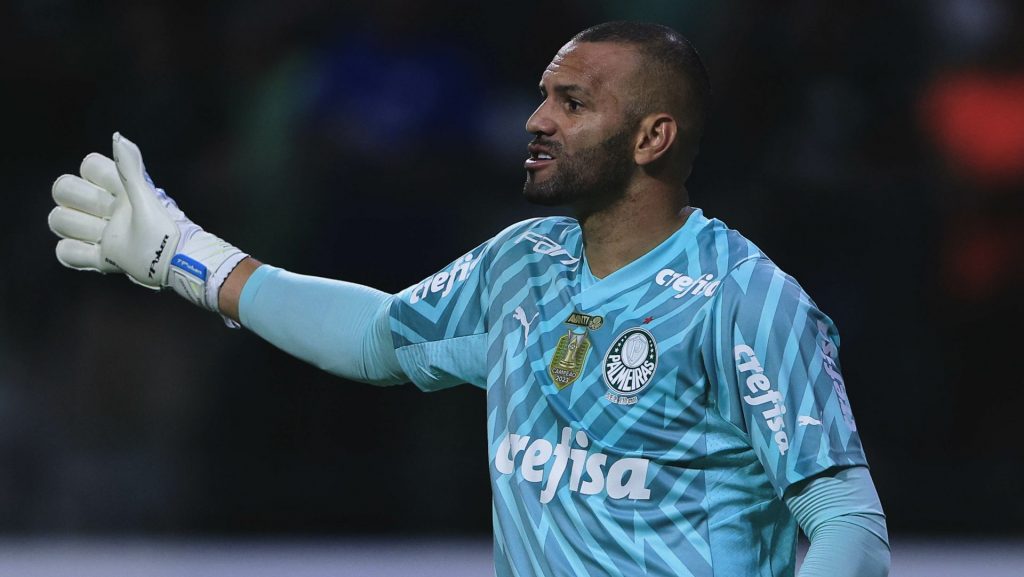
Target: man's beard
point(589, 179)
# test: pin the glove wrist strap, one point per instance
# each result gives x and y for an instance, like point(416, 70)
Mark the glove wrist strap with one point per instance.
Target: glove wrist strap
point(199, 268)
point(217, 280)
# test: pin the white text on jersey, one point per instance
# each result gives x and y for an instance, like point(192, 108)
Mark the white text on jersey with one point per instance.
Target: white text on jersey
point(444, 281)
point(684, 285)
point(757, 382)
point(828, 351)
point(626, 477)
point(545, 245)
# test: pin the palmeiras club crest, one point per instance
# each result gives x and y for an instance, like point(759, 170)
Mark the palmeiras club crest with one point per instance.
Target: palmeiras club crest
point(629, 365)
point(573, 347)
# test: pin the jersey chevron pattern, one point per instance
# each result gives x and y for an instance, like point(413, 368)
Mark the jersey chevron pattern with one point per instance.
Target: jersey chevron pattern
point(647, 423)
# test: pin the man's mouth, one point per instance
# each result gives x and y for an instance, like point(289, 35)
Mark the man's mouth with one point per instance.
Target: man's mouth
point(540, 156)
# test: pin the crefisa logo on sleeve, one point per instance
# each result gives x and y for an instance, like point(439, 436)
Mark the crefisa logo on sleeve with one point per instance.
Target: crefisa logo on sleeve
point(629, 365)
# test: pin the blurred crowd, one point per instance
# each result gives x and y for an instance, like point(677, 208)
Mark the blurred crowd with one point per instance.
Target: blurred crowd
point(874, 149)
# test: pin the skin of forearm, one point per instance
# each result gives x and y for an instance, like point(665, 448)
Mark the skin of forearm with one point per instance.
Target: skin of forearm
point(231, 290)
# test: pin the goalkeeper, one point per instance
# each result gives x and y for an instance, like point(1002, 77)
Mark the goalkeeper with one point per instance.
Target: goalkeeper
point(662, 398)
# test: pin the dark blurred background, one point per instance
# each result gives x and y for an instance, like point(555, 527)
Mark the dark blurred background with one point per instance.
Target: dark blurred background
point(874, 149)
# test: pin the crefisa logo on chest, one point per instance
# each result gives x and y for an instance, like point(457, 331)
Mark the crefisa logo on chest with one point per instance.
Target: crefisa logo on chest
point(629, 365)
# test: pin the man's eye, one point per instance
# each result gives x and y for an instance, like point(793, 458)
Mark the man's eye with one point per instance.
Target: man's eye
point(574, 105)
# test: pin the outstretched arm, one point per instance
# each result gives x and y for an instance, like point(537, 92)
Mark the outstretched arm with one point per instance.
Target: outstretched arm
point(114, 219)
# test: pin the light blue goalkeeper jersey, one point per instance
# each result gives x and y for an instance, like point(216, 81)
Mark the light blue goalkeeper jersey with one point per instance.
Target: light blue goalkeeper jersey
point(646, 423)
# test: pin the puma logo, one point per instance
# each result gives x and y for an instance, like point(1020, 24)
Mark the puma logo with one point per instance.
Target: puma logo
point(520, 315)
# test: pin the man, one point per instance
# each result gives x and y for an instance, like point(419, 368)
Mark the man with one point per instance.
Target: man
point(662, 399)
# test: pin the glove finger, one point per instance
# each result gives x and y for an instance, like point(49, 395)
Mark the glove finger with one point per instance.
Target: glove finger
point(71, 223)
point(76, 193)
point(82, 256)
point(128, 160)
point(102, 172)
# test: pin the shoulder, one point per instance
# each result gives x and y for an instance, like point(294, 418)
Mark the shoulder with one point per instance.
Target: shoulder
point(556, 227)
point(555, 235)
point(758, 293)
point(726, 247)
point(751, 281)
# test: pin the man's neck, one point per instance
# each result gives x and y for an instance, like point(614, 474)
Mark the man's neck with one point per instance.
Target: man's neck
point(628, 229)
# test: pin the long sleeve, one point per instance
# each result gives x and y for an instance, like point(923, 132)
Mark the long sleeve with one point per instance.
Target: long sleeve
point(842, 517)
point(340, 327)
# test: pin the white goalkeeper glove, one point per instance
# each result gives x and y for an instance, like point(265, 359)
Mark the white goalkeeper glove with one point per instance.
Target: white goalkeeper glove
point(114, 219)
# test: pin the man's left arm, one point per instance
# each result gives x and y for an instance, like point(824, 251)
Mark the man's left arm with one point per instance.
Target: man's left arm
point(775, 359)
point(841, 515)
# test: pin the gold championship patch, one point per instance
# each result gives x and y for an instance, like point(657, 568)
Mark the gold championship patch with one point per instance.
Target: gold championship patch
point(572, 349)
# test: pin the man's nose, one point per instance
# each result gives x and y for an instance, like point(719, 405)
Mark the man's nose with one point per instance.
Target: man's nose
point(540, 121)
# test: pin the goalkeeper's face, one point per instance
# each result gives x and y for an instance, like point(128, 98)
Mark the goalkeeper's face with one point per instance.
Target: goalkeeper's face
point(582, 150)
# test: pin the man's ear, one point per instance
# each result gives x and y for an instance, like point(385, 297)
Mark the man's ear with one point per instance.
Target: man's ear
point(656, 135)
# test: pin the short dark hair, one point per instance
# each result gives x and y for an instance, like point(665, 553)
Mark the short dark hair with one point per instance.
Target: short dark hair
point(674, 67)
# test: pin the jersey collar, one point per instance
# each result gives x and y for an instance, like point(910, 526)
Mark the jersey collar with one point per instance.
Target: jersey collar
point(594, 291)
